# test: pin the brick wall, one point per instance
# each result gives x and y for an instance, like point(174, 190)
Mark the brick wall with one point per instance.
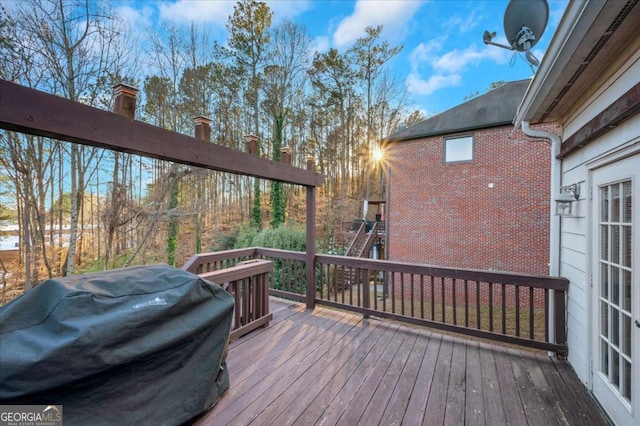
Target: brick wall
point(491, 213)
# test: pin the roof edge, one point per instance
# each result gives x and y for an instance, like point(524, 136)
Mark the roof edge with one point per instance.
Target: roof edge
point(458, 131)
point(576, 21)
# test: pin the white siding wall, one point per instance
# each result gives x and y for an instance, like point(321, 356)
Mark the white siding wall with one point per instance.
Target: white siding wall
point(575, 233)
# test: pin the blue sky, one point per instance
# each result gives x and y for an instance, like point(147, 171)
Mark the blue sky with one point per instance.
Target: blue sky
point(443, 60)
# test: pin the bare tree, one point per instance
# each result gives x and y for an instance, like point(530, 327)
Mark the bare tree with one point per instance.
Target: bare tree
point(76, 45)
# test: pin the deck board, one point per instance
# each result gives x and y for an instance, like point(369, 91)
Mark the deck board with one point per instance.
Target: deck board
point(437, 398)
point(492, 405)
point(474, 407)
point(328, 367)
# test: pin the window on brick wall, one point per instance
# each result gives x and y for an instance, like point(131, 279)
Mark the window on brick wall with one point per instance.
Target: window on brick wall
point(458, 149)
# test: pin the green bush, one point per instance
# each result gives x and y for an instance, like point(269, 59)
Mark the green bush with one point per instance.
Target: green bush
point(245, 236)
point(283, 238)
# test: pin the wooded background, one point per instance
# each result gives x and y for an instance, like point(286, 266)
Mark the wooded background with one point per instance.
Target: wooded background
point(80, 208)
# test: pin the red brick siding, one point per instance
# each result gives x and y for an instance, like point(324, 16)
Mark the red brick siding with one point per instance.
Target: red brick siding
point(446, 214)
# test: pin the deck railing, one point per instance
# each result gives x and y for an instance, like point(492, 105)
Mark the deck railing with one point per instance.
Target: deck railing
point(500, 306)
point(247, 281)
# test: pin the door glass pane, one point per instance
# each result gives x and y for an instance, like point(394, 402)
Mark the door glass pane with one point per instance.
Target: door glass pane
point(604, 316)
point(604, 242)
point(604, 280)
point(626, 246)
point(626, 334)
point(615, 285)
point(626, 383)
point(615, 243)
point(615, 203)
point(604, 357)
point(615, 327)
point(626, 290)
point(604, 204)
point(626, 208)
point(615, 368)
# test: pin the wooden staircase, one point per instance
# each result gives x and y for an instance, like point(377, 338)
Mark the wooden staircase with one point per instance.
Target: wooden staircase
point(359, 247)
point(363, 241)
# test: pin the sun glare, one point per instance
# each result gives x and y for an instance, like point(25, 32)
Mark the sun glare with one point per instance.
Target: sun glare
point(378, 154)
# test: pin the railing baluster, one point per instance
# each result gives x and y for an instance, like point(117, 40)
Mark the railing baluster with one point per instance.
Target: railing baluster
point(504, 309)
point(393, 293)
point(359, 286)
point(413, 312)
point(455, 308)
point(421, 296)
point(490, 306)
point(376, 279)
point(478, 305)
point(442, 298)
point(402, 294)
point(531, 313)
point(517, 290)
point(466, 303)
point(336, 273)
point(433, 299)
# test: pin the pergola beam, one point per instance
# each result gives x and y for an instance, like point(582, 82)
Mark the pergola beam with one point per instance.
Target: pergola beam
point(30, 111)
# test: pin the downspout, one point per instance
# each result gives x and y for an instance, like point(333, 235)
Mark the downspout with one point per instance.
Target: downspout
point(554, 220)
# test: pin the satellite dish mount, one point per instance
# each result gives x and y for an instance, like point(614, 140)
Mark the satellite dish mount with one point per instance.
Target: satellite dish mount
point(524, 24)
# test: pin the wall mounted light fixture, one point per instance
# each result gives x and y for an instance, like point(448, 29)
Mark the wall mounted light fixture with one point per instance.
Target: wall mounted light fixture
point(564, 201)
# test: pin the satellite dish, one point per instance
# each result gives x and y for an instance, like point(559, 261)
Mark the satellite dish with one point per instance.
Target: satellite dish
point(524, 24)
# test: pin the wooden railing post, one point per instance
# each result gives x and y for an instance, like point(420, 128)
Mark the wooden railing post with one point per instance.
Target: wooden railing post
point(311, 247)
point(124, 102)
point(286, 155)
point(202, 128)
point(560, 307)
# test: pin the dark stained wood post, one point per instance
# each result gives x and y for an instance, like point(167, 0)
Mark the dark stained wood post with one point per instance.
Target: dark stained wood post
point(311, 163)
point(124, 103)
point(285, 155)
point(202, 128)
point(560, 307)
point(311, 240)
point(251, 144)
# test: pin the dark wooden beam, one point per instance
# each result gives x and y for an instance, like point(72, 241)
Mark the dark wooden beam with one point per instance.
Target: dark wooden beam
point(37, 113)
point(623, 108)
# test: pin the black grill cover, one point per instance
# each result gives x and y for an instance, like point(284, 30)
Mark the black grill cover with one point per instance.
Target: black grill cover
point(143, 345)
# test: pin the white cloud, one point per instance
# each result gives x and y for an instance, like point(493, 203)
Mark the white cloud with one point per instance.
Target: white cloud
point(392, 15)
point(455, 61)
point(185, 11)
point(138, 19)
point(320, 44)
point(288, 8)
point(424, 52)
point(417, 85)
point(462, 24)
point(217, 12)
point(446, 69)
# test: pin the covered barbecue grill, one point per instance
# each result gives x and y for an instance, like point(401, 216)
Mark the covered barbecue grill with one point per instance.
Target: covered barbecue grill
point(138, 345)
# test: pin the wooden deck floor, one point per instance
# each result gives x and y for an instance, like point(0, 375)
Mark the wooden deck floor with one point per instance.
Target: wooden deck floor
point(329, 367)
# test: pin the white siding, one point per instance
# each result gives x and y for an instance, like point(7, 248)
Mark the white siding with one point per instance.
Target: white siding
point(575, 233)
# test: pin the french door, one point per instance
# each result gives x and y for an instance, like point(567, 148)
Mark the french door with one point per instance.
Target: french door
point(615, 319)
